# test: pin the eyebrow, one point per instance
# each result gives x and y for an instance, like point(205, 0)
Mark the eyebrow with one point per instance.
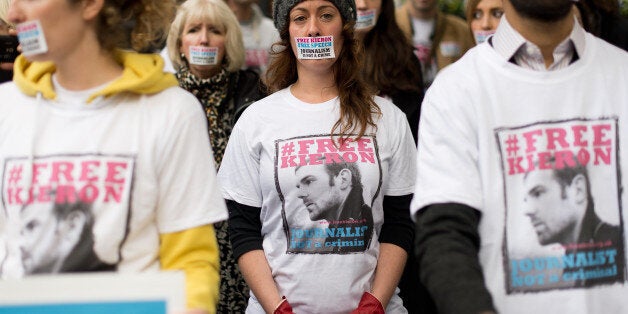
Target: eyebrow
point(323, 7)
point(536, 188)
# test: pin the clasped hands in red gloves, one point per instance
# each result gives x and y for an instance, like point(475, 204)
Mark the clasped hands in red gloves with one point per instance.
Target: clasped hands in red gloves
point(369, 304)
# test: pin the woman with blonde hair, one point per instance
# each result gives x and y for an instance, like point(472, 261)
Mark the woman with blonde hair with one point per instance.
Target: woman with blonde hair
point(206, 49)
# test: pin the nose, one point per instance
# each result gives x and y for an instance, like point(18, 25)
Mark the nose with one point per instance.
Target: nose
point(487, 23)
point(313, 29)
point(204, 37)
point(14, 15)
point(301, 192)
point(360, 4)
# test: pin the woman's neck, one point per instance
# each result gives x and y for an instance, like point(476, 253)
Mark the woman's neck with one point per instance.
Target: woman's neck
point(87, 68)
point(315, 88)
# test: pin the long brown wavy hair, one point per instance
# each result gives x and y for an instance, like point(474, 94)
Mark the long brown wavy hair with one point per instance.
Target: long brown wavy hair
point(357, 107)
point(389, 56)
point(133, 24)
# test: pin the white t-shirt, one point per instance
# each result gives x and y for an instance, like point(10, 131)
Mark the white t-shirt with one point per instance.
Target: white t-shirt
point(321, 266)
point(422, 41)
point(141, 163)
point(258, 37)
point(485, 123)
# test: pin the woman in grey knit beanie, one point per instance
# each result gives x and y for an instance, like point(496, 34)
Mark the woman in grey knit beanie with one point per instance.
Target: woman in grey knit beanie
point(313, 226)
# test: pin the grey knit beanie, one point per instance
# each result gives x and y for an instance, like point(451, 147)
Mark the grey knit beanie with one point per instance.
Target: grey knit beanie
point(281, 9)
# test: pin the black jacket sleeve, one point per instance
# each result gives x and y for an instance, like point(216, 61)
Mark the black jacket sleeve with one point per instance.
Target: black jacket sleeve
point(446, 247)
point(245, 228)
point(397, 228)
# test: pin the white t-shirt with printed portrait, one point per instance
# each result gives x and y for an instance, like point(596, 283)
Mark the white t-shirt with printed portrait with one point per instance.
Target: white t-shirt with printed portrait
point(320, 266)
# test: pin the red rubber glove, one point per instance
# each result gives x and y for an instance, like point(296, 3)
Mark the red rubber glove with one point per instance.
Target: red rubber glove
point(369, 304)
point(283, 307)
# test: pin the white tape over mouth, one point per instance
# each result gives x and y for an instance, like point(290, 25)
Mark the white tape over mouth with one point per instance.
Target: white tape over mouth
point(315, 48)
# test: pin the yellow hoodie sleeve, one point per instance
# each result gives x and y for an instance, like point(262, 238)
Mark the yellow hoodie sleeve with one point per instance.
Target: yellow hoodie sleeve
point(195, 251)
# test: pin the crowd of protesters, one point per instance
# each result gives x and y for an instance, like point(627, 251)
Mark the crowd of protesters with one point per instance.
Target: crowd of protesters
point(321, 156)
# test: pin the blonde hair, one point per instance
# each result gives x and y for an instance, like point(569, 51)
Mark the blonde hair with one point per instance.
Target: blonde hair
point(4, 11)
point(217, 13)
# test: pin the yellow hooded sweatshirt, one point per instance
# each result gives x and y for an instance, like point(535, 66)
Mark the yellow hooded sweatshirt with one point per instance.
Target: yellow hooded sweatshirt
point(195, 250)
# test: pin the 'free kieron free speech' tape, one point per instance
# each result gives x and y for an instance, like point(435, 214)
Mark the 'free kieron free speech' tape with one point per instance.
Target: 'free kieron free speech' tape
point(366, 19)
point(201, 55)
point(321, 47)
point(482, 36)
point(31, 37)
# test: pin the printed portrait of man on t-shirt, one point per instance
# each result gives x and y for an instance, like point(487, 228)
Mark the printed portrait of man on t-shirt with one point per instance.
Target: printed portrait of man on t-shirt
point(563, 196)
point(328, 195)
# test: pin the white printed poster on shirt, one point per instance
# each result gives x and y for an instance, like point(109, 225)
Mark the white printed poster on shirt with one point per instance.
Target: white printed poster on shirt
point(200, 55)
point(31, 37)
point(563, 196)
point(327, 192)
point(256, 57)
point(64, 213)
point(314, 48)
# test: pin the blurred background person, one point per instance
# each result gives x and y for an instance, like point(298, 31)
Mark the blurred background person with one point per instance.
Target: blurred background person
point(6, 28)
point(390, 65)
point(603, 19)
point(440, 39)
point(483, 17)
point(394, 71)
point(205, 45)
point(82, 98)
point(258, 33)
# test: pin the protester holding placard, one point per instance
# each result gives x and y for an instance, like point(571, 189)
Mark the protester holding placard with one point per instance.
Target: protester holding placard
point(108, 161)
point(205, 44)
point(317, 176)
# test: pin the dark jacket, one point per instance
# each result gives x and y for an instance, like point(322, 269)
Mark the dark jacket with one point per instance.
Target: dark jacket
point(244, 91)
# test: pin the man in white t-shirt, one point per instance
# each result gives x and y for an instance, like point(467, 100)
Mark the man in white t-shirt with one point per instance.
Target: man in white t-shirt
point(539, 96)
point(258, 33)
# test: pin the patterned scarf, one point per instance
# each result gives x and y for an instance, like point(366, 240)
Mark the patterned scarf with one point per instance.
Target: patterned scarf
point(212, 93)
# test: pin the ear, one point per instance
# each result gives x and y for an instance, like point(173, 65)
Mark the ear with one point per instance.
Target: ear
point(91, 8)
point(579, 189)
point(344, 178)
point(73, 226)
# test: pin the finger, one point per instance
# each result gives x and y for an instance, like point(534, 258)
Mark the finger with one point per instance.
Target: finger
point(6, 66)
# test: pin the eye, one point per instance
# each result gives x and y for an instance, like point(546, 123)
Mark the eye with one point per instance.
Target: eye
point(327, 16)
point(477, 15)
point(299, 18)
point(193, 30)
point(536, 192)
point(215, 30)
point(497, 13)
point(31, 225)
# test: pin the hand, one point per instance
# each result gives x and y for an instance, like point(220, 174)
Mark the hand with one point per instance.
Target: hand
point(369, 304)
point(6, 66)
point(283, 307)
